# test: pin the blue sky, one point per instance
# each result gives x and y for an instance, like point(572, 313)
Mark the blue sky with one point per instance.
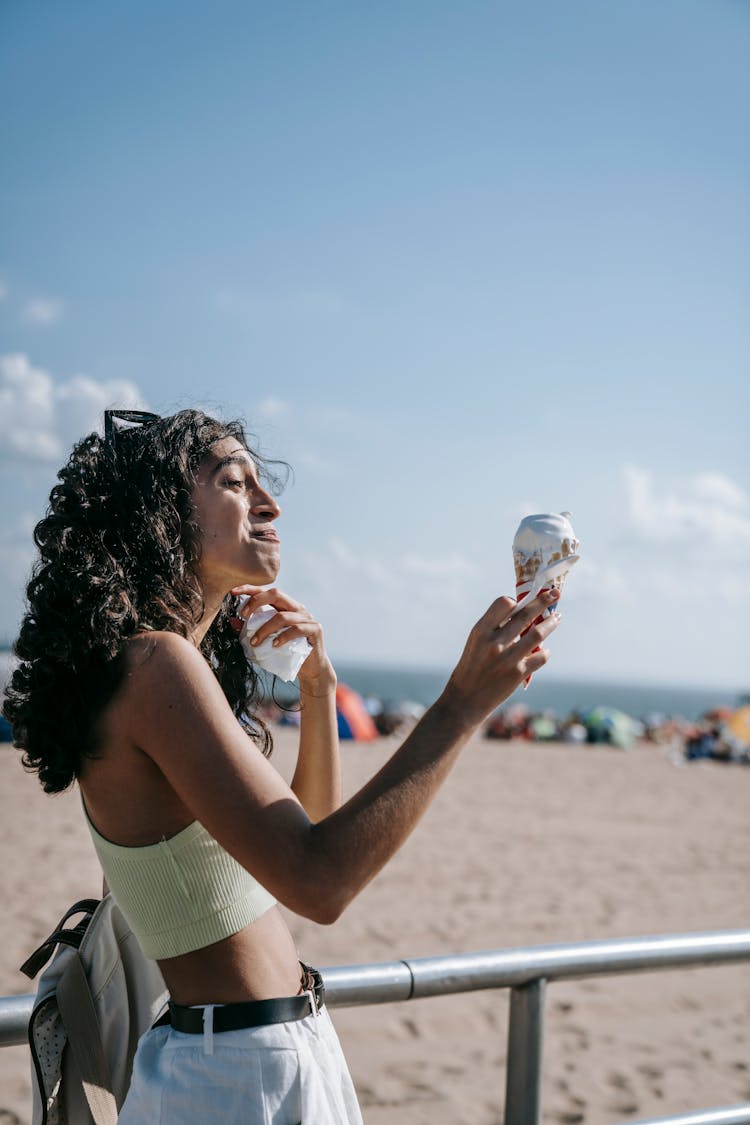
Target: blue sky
point(455, 262)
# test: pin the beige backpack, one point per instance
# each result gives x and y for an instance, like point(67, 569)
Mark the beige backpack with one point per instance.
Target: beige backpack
point(94, 1001)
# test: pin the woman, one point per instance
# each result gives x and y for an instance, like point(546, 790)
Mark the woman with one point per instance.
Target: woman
point(132, 680)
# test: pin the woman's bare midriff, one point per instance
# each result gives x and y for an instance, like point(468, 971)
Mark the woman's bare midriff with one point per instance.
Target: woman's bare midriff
point(258, 963)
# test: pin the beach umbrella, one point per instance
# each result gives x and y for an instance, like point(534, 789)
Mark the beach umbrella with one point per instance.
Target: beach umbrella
point(608, 724)
point(543, 728)
point(354, 722)
point(738, 726)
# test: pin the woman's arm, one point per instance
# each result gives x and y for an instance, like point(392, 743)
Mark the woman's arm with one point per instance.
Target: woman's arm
point(317, 777)
point(177, 714)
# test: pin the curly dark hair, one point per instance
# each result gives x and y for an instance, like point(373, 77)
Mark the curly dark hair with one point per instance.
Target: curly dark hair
point(117, 554)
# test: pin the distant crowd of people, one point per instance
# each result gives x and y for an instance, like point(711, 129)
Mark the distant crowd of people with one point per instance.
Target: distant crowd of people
point(600, 726)
point(709, 737)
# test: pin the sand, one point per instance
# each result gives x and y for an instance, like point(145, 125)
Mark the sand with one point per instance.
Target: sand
point(526, 845)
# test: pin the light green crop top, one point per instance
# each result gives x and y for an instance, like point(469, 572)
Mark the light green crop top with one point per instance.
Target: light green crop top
point(181, 894)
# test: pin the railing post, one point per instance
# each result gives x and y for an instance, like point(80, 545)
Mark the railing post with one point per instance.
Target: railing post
point(523, 1084)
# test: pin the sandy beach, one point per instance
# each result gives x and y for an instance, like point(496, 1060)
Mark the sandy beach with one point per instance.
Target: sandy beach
point(528, 844)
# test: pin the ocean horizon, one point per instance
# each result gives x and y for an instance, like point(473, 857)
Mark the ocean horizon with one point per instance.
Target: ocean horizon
point(393, 685)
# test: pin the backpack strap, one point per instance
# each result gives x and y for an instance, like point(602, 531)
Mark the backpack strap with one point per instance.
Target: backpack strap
point(84, 1040)
point(59, 936)
point(83, 906)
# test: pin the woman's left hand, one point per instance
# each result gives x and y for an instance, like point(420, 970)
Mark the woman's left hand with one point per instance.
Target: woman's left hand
point(292, 620)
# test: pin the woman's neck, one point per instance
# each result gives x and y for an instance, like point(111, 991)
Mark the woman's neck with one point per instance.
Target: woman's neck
point(212, 602)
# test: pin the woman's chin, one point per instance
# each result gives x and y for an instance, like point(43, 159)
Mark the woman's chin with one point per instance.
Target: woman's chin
point(260, 576)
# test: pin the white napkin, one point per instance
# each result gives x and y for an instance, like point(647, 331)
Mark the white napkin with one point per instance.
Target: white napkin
point(284, 661)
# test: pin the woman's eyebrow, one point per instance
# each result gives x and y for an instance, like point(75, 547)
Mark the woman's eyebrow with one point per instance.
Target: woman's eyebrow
point(234, 459)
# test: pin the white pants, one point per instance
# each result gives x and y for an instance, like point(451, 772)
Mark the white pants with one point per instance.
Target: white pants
point(282, 1074)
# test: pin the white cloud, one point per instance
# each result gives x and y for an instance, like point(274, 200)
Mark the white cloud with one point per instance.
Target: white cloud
point(715, 488)
point(440, 577)
point(371, 569)
point(596, 582)
point(703, 510)
point(41, 419)
point(17, 552)
point(44, 310)
point(451, 566)
point(17, 547)
point(402, 570)
point(272, 408)
point(293, 424)
point(334, 417)
point(380, 607)
point(342, 553)
point(302, 419)
point(313, 461)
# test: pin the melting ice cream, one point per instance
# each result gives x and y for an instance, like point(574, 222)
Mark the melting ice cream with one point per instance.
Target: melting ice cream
point(545, 548)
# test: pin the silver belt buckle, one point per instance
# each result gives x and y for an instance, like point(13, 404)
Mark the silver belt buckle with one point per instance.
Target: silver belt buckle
point(310, 994)
point(309, 980)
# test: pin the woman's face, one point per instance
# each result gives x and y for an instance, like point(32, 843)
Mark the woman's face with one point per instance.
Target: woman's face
point(235, 516)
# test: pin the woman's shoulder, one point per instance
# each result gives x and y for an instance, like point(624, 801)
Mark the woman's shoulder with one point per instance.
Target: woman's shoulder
point(158, 646)
point(163, 660)
point(167, 686)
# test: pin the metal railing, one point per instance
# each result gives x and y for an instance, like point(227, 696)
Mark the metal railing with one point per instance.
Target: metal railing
point(526, 973)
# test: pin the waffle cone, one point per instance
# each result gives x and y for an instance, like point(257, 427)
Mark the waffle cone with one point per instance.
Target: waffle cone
point(526, 567)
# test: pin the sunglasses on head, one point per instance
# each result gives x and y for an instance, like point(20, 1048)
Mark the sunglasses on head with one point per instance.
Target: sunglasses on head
point(135, 417)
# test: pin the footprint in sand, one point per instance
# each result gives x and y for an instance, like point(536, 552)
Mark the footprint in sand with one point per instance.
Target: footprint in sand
point(577, 1104)
point(366, 1094)
point(652, 1074)
point(491, 1018)
point(626, 1101)
point(411, 1027)
point(8, 1117)
point(626, 1108)
point(581, 1036)
point(420, 1091)
point(379, 935)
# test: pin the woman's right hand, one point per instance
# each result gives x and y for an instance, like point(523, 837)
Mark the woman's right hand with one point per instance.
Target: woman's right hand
point(497, 658)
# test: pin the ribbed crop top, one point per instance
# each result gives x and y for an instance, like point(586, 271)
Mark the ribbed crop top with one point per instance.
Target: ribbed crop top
point(181, 894)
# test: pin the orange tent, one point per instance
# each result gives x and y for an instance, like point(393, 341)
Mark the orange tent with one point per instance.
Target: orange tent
point(353, 720)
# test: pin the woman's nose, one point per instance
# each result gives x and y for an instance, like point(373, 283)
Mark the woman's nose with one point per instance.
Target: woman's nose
point(264, 504)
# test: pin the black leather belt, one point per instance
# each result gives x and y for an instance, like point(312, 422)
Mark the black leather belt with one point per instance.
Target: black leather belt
point(251, 1013)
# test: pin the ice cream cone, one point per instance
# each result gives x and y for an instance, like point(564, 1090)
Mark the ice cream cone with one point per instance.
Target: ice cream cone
point(545, 548)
